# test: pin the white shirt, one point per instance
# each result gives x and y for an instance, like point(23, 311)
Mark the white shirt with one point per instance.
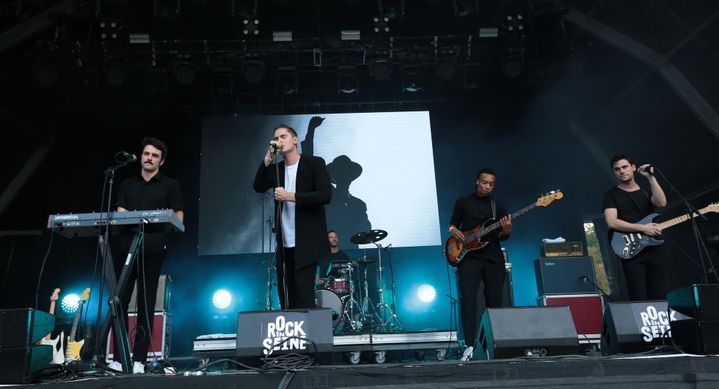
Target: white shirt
point(288, 207)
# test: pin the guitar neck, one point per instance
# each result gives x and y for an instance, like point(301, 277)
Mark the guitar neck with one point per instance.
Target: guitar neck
point(73, 331)
point(486, 230)
point(682, 218)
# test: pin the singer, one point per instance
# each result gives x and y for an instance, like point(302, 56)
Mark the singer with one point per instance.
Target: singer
point(148, 190)
point(624, 205)
point(301, 190)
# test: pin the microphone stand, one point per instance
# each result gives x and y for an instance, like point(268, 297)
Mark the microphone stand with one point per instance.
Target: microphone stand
point(701, 246)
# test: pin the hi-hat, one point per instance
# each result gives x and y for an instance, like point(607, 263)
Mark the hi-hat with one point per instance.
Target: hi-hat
point(369, 236)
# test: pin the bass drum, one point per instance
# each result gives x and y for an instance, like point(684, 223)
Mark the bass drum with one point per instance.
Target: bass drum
point(328, 299)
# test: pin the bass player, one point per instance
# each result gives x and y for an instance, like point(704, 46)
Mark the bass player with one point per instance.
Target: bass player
point(486, 264)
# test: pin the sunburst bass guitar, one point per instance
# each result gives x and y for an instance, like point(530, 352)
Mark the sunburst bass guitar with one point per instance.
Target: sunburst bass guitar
point(455, 250)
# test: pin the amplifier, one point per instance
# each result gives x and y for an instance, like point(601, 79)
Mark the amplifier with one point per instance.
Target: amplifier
point(561, 249)
point(557, 275)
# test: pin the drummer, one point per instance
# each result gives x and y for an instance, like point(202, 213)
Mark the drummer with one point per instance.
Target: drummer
point(324, 266)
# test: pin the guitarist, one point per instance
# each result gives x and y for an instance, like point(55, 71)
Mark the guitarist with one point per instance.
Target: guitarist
point(624, 205)
point(486, 264)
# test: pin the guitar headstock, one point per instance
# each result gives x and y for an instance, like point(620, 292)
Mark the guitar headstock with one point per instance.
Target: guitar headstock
point(549, 198)
point(85, 295)
point(55, 294)
point(713, 207)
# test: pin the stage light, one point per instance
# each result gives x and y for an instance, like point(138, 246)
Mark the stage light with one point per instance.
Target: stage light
point(221, 299)
point(251, 26)
point(115, 75)
point(513, 65)
point(347, 81)
point(109, 29)
point(185, 73)
point(426, 293)
point(381, 70)
point(253, 71)
point(70, 302)
point(287, 82)
point(412, 78)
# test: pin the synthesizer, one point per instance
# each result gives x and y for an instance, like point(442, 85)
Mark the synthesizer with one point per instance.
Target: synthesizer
point(87, 224)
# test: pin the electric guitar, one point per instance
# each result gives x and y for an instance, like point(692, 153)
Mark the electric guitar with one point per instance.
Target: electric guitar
point(455, 249)
point(628, 244)
point(57, 348)
point(72, 351)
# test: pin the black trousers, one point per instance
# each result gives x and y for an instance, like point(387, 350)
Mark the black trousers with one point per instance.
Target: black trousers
point(646, 274)
point(296, 286)
point(469, 273)
point(147, 274)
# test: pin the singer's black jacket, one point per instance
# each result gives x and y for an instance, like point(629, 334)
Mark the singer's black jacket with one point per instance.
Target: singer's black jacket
point(313, 192)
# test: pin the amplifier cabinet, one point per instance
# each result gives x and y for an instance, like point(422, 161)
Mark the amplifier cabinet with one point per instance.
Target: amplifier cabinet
point(586, 310)
point(161, 336)
point(565, 275)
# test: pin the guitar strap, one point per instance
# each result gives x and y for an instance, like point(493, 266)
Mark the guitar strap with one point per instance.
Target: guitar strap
point(494, 209)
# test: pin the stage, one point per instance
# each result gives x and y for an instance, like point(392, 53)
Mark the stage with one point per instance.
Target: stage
point(628, 371)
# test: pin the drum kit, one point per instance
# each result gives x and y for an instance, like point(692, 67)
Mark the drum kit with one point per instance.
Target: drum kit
point(347, 293)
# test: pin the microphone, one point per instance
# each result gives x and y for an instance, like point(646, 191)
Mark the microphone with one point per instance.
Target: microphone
point(128, 156)
point(275, 144)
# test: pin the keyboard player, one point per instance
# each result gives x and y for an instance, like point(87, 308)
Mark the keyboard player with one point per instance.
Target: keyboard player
point(147, 190)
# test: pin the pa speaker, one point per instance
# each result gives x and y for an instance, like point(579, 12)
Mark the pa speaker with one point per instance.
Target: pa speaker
point(272, 333)
point(527, 331)
point(630, 327)
point(564, 275)
point(20, 357)
point(696, 337)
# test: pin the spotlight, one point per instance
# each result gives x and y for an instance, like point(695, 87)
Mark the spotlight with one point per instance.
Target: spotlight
point(287, 82)
point(381, 24)
point(253, 71)
point(221, 299)
point(412, 78)
point(381, 70)
point(185, 73)
point(513, 65)
point(426, 293)
point(347, 81)
point(251, 26)
point(446, 70)
point(109, 29)
point(70, 303)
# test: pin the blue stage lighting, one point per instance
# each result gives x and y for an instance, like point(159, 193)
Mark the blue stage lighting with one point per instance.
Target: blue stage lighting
point(222, 299)
point(426, 293)
point(70, 303)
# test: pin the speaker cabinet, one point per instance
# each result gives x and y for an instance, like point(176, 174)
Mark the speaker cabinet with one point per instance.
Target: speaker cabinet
point(696, 337)
point(630, 327)
point(564, 275)
point(20, 357)
point(700, 302)
point(527, 331)
point(272, 333)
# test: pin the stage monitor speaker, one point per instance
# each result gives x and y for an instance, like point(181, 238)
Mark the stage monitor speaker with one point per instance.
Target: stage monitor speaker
point(302, 331)
point(700, 302)
point(696, 337)
point(527, 331)
point(564, 275)
point(20, 357)
point(630, 327)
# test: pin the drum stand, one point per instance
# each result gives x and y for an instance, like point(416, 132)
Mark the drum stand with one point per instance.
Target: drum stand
point(349, 316)
point(387, 317)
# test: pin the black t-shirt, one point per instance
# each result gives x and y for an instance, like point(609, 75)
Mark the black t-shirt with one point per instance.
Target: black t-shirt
point(631, 206)
point(473, 210)
point(161, 192)
point(325, 264)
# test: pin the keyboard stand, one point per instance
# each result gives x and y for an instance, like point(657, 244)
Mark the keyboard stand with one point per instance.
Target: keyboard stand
point(115, 286)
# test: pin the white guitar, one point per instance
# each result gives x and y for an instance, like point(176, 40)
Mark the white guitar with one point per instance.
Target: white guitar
point(58, 351)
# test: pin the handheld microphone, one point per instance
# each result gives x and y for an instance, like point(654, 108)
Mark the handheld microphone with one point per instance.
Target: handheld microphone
point(275, 144)
point(128, 156)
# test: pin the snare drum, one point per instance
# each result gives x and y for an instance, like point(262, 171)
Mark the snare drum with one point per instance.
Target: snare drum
point(327, 299)
point(339, 285)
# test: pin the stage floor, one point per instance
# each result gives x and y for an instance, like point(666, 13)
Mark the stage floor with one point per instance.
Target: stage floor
point(637, 371)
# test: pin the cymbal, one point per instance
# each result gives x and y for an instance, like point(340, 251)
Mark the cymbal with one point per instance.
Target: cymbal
point(369, 236)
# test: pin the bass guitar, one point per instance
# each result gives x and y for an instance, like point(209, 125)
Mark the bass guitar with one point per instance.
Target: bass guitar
point(72, 352)
point(455, 249)
point(628, 244)
point(57, 349)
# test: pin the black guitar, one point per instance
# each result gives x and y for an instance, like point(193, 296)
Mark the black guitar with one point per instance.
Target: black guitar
point(628, 244)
